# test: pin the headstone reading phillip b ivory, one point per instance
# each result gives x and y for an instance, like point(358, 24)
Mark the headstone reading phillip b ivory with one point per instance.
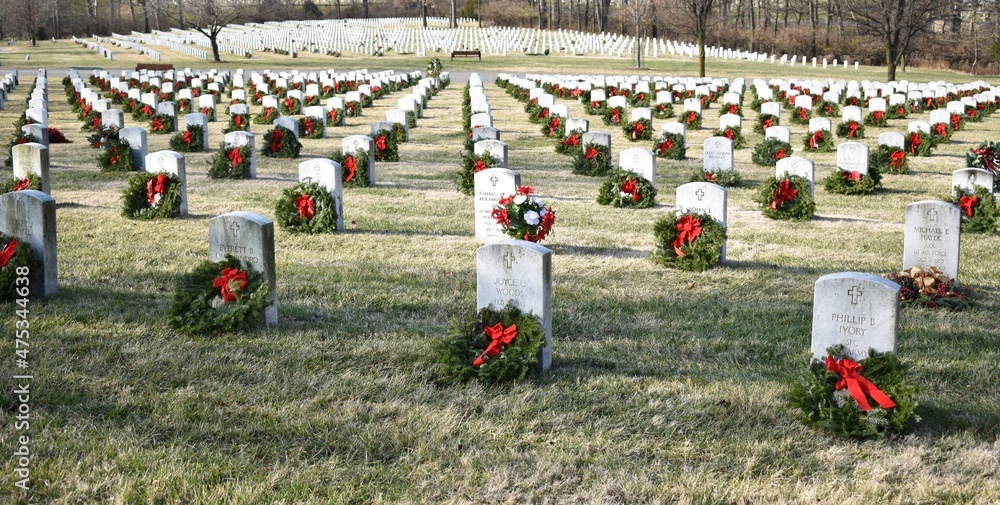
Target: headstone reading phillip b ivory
point(520, 272)
point(856, 310)
point(250, 238)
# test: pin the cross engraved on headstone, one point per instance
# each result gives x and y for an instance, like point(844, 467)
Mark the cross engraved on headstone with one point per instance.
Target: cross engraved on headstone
point(972, 179)
point(162, 162)
point(700, 194)
point(494, 180)
point(855, 293)
point(236, 228)
point(355, 143)
point(508, 259)
point(316, 169)
point(932, 215)
point(795, 165)
point(635, 157)
point(717, 143)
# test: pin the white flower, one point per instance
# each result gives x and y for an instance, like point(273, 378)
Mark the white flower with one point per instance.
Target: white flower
point(531, 217)
point(537, 201)
point(156, 199)
point(543, 212)
point(519, 199)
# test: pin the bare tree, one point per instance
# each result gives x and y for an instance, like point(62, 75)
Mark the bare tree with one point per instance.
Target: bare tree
point(637, 14)
point(895, 23)
point(209, 17)
point(699, 15)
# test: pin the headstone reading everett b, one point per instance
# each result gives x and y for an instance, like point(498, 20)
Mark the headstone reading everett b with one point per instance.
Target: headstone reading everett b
point(519, 272)
point(326, 173)
point(932, 236)
point(250, 238)
point(490, 185)
point(856, 310)
point(30, 217)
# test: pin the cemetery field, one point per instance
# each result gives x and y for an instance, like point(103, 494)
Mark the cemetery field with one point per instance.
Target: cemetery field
point(666, 385)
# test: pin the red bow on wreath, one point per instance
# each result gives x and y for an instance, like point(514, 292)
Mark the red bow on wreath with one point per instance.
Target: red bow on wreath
point(877, 115)
point(896, 159)
point(941, 129)
point(238, 119)
point(781, 154)
point(914, 142)
point(768, 122)
point(8, 253)
point(572, 140)
point(637, 130)
point(308, 126)
point(803, 114)
point(616, 115)
point(351, 164)
point(688, 229)
point(225, 284)
point(500, 338)
point(852, 129)
point(479, 166)
point(380, 143)
point(554, 126)
point(968, 204)
point(729, 134)
point(666, 145)
point(816, 140)
point(784, 193)
point(235, 157)
point(857, 385)
point(156, 186)
point(853, 176)
point(692, 117)
point(22, 184)
point(157, 124)
point(307, 206)
point(187, 137)
point(630, 187)
point(276, 144)
point(591, 153)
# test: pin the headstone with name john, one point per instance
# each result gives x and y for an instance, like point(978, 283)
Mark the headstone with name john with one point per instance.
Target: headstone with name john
point(326, 173)
point(705, 198)
point(857, 310)
point(30, 217)
point(520, 272)
point(170, 162)
point(718, 153)
point(932, 236)
point(490, 185)
point(250, 238)
point(32, 158)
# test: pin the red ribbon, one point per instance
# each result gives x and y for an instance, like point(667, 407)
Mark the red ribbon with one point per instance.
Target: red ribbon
point(692, 117)
point(877, 115)
point(688, 229)
point(816, 139)
point(854, 176)
point(308, 127)
point(784, 193)
point(479, 166)
point(500, 338)
point(307, 206)
point(380, 143)
point(729, 134)
point(187, 137)
point(235, 157)
point(941, 129)
point(630, 187)
point(637, 130)
point(554, 126)
point(914, 142)
point(968, 204)
point(333, 116)
point(803, 114)
point(226, 281)
point(768, 122)
point(591, 153)
point(22, 184)
point(781, 153)
point(572, 140)
point(276, 144)
point(157, 124)
point(156, 186)
point(852, 129)
point(896, 159)
point(544, 113)
point(956, 121)
point(289, 104)
point(666, 145)
point(115, 157)
point(351, 164)
point(616, 115)
point(8, 253)
point(733, 108)
point(595, 105)
point(859, 387)
point(238, 119)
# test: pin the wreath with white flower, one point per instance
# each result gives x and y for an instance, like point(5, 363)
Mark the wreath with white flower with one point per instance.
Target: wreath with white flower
point(353, 108)
point(152, 196)
point(219, 297)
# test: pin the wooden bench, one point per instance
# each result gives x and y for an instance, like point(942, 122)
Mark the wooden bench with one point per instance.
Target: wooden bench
point(153, 66)
point(476, 52)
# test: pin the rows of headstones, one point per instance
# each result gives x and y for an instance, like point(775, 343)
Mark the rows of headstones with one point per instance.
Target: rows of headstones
point(29, 216)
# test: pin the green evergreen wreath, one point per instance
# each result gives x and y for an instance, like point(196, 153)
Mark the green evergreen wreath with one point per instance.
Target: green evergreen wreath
point(822, 406)
point(699, 254)
point(115, 156)
point(32, 181)
point(638, 130)
point(972, 114)
point(323, 215)
point(135, 199)
point(231, 162)
point(663, 110)
point(776, 202)
point(143, 112)
point(765, 121)
point(465, 180)
point(979, 209)
point(280, 142)
point(209, 112)
point(593, 159)
point(267, 116)
point(919, 143)
point(897, 111)
point(311, 127)
point(199, 309)
point(731, 108)
point(626, 189)
point(237, 122)
point(638, 99)
point(828, 109)
point(733, 134)
point(692, 119)
point(161, 124)
point(291, 106)
point(571, 144)
point(335, 117)
point(877, 118)
point(671, 146)
point(386, 147)
point(801, 116)
point(354, 168)
point(22, 263)
point(767, 153)
point(842, 182)
point(554, 127)
point(850, 130)
point(725, 178)
point(888, 159)
point(353, 108)
point(819, 141)
point(188, 141)
point(613, 116)
point(467, 340)
point(411, 119)
point(941, 133)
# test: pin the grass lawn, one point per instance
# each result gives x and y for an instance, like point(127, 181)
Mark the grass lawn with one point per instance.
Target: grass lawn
point(667, 386)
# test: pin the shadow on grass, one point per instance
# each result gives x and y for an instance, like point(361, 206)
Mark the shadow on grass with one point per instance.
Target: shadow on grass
point(618, 252)
point(937, 420)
